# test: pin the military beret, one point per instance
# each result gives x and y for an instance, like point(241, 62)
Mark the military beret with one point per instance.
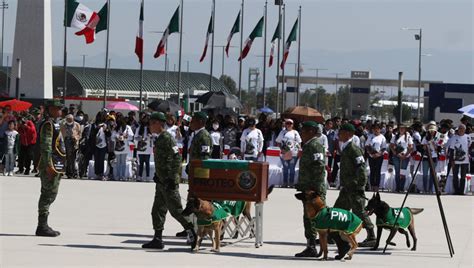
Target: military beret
point(159, 116)
point(53, 103)
point(201, 116)
point(311, 124)
point(347, 127)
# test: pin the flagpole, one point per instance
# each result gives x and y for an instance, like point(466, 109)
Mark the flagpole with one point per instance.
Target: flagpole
point(107, 55)
point(142, 9)
point(278, 62)
point(212, 46)
point(65, 52)
point(299, 60)
point(264, 54)
point(283, 90)
point(241, 45)
point(180, 48)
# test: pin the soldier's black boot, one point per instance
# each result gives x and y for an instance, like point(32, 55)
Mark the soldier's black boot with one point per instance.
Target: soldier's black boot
point(43, 229)
point(370, 241)
point(156, 242)
point(192, 238)
point(183, 233)
point(309, 251)
point(342, 246)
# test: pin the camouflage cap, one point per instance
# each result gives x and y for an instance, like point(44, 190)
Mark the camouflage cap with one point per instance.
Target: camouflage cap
point(53, 103)
point(159, 116)
point(201, 116)
point(310, 124)
point(347, 127)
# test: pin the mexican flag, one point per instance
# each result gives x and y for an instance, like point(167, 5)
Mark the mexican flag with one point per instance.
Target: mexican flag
point(103, 13)
point(80, 17)
point(257, 32)
point(276, 35)
point(139, 39)
point(210, 31)
point(173, 27)
point(235, 29)
point(291, 38)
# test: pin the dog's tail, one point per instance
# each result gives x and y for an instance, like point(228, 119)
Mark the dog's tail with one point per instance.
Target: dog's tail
point(415, 211)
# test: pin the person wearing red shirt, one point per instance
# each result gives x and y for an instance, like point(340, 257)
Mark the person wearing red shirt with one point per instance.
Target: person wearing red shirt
point(27, 131)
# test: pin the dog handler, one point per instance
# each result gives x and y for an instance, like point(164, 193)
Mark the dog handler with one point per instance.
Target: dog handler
point(353, 178)
point(167, 198)
point(311, 178)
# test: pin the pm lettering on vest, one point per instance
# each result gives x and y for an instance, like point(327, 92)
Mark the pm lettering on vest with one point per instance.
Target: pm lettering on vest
point(397, 211)
point(340, 216)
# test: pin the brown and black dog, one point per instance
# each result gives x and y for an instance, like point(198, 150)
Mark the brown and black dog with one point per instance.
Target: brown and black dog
point(382, 210)
point(313, 205)
point(204, 211)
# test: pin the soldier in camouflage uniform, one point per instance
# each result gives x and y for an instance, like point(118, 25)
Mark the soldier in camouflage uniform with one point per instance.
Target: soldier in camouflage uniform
point(311, 178)
point(201, 144)
point(167, 198)
point(353, 178)
point(51, 165)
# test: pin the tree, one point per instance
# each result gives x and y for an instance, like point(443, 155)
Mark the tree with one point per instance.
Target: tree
point(406, 112)
point(229, 83)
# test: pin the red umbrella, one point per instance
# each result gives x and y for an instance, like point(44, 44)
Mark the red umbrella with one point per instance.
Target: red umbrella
point(17, 105)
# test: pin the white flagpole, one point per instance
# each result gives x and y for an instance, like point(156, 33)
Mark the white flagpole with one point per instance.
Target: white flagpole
point(107, 55)
point(241, 45)
point(299, 60)
point(264, 55)
point(142, 8)
point(180, 49)
point(65, 53)
point(278, 63)
point(212, 46)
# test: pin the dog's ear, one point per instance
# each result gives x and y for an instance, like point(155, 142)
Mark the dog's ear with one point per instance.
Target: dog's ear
point(377, 196)
point(314, 195)
point(300, 196)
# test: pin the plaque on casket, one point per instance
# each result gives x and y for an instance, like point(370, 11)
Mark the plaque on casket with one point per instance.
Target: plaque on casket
point(229, 180)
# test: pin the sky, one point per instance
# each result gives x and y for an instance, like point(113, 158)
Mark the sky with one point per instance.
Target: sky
point(339, 35)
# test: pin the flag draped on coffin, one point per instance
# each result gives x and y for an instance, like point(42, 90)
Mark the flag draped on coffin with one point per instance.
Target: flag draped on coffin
point(210, 31)
point(275, 37)
point(257, 32)
point(291, 38)
point(235, 29)
point(139, 39)
point(81, 17)
point(173, 27)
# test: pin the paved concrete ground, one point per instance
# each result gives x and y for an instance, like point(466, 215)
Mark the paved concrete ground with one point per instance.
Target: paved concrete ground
point(103, 224)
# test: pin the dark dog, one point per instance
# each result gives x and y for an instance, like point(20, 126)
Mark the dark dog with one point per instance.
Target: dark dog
point(344, 222)
point(386, 217)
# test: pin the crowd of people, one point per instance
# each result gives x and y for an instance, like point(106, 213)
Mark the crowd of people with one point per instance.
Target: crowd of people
point(113, 138)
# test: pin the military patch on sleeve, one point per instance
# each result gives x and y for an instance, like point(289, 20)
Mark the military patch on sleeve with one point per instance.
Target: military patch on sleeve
point(175, 149)
point(205, 149)
point(360, 160)
point(318, 157)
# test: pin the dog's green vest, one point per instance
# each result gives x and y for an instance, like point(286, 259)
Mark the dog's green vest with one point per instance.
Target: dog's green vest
point(403, 221)
point(336, 219)
point(222, 209)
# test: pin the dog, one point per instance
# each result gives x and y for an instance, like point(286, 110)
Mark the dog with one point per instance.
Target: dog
point(325, 220)
point(386, 217)
point(212, 214)
point(211, 217)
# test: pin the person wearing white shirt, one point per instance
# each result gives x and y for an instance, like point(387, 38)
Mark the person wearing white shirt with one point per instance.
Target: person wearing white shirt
point(121, 135)
point(251, 142)
point(289, 141)
point(401, 146)
point(144, 147)
point(431, 140)
point(459, 145)
point(217, 141)
point(375, 147)
point(172, 128)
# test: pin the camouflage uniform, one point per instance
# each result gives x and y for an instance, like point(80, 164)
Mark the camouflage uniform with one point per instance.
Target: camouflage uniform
point(52, 157)
point(167, 166)
point(353, 178)
point(311, 176)
point(200, 146)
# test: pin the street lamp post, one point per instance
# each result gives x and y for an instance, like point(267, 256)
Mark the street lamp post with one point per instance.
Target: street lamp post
point(337, 90)
point(3, 6)
point(317, 89)
point(418, 37)
point(223, 56)
point(84, 64)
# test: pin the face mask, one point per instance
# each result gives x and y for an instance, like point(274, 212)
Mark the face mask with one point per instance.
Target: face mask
point(215, 126)
point(79, 118)
point(69, 123)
